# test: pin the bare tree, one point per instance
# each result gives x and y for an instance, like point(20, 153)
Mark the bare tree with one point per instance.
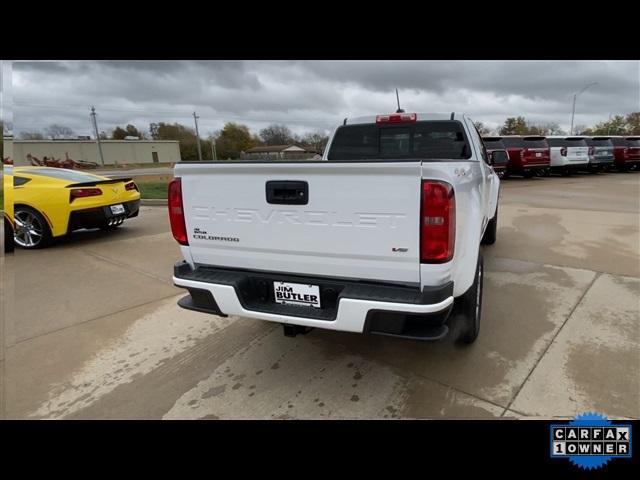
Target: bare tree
point(482, 128)
point(277, 135)
point(553, 128)
point(31, 136)
point(317, 140)
point(59, 131)
point(579, 129)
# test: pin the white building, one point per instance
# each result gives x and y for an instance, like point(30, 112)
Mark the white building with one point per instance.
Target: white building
point(114, 151)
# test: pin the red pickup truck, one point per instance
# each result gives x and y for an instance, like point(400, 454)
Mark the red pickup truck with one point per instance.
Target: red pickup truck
point(528, 155)
point(627, 152)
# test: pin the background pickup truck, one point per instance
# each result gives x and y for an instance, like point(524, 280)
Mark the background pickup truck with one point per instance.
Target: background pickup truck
point(380, 236)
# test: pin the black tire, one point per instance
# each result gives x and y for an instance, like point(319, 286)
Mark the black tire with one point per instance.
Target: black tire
point(467, 309)
point(528, 174)
point(8, 237)
point(491, 232)
point(45, 237)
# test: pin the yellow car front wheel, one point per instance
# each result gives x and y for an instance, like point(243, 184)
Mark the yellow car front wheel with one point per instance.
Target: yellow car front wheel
point(31, 228)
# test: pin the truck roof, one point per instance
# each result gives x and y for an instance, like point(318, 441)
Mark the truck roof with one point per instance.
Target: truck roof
point(421, 117)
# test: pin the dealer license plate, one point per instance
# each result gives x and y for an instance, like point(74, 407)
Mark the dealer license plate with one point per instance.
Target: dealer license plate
point(117, 209)
point(296, 294)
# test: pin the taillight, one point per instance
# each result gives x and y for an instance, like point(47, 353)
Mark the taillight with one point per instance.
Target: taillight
point(437, 222)
point(176, 212)
point(131, 186)
point(524, 151)
point(563, 151)
point(397, 118)
point(625, 152)
point(83, 192)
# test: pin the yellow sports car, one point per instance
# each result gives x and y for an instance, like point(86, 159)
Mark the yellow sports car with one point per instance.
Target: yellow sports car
point(7, 190)
point(52, 202)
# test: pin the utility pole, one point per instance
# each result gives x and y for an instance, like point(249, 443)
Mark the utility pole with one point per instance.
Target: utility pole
point(214, 155)
point(609, 125)
point(195, 118)
point(575, 95)
point(95, 129)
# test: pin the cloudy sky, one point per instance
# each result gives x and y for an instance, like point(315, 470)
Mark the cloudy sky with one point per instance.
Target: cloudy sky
point(313, 95)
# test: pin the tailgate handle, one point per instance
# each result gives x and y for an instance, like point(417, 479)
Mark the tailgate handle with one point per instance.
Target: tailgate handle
point(287, 192)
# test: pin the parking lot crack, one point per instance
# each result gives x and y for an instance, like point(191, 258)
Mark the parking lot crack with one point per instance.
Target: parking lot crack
point(126, 265)
point(91, 320)
point(458, 390)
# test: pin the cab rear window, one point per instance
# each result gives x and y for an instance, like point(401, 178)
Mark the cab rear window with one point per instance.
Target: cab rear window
point(535, 142)
point(513, 142)
point(492, 143)
point(576, 142)
point(599, 142)
point(633, 141)
point(567, 142)
point(429, 140)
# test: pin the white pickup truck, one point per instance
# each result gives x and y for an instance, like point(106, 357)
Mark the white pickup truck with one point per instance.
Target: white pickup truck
point(380, 236)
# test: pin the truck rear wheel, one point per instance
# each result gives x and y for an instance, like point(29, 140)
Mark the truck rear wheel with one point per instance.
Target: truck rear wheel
point(468, 309)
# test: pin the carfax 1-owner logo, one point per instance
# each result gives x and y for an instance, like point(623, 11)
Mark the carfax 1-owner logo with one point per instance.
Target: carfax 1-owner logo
point(590, 440)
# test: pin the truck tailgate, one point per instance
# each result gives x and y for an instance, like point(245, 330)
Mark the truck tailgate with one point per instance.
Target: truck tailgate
point(360, 220)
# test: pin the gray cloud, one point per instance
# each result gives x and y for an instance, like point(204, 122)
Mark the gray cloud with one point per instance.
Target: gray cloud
point(310, 95)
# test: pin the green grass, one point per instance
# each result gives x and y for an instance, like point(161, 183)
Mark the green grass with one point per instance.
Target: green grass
point(153, 189)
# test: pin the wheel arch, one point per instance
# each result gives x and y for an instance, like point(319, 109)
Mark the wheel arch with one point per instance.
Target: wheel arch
point(32, 207)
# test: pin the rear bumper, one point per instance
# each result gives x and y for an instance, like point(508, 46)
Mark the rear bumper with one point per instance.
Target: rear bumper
point(563, 162)
point(627, 161)
point(100, 216)
point(347, 305)
point(600, 160)
point(527, 167)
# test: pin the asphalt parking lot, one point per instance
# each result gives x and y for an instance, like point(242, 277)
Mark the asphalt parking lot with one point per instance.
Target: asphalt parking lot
point(92, 329)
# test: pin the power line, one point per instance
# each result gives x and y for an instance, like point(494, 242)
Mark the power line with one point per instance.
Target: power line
point(178, 114)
